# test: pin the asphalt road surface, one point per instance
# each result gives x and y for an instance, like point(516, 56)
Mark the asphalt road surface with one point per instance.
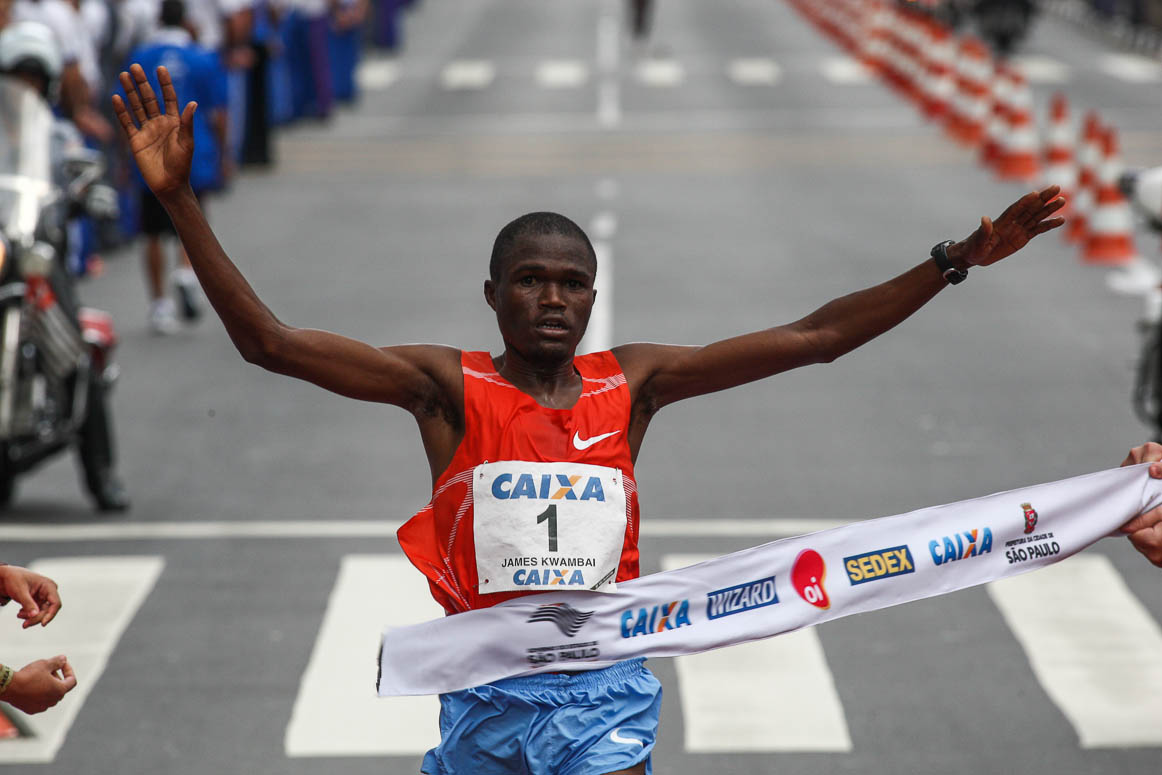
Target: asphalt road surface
point(736, 172)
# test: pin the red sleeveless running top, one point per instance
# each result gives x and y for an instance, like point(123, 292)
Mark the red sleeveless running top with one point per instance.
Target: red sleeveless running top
point(502, 423)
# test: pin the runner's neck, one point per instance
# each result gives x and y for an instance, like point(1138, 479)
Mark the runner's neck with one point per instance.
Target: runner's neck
point(554, 385)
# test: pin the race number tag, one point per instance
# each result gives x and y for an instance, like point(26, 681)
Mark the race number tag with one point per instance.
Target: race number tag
point(545, 526)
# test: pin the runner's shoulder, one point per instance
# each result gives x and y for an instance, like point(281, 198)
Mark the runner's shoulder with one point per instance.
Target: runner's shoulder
point(641, 360)
point(436, 367)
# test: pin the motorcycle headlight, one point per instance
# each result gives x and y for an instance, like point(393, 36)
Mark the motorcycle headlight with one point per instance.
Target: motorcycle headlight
point(36, 260)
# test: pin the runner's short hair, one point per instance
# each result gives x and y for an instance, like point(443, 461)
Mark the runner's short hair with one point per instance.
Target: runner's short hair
point(542, 223)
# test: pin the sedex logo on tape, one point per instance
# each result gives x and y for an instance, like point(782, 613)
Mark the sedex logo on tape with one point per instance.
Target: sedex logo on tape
point(880, 564)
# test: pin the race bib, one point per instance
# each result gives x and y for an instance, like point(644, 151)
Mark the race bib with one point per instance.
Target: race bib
point(547, 526)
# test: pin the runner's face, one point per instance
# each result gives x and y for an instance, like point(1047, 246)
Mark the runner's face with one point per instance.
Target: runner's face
point(544, 296)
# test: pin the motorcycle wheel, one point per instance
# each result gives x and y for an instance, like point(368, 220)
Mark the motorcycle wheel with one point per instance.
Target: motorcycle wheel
point(7, 487)
point(96, 452)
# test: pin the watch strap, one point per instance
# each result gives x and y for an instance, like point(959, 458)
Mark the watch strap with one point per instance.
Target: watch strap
point(947, 270)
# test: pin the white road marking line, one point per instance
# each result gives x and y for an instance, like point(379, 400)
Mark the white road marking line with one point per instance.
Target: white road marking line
point(776, 694)
point(607, 189)
point(845, 71)
point(1042, 69)
point(660, 72)
point(608, 91)
point(603, 226)
point(562, 74)
point(152, 531)
point(754, 72)
point(609, 103)
point(377, 75)
point(1093, 647)
point(337, 712)
point(599, 335)
point(1129, 67)
point(608, 43)
point(467, 74)
point(101, 596)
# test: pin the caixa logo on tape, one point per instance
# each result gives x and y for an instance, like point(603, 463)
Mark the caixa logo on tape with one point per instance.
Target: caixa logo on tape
point(647, 621)
point(553, 487)
point(961, 546)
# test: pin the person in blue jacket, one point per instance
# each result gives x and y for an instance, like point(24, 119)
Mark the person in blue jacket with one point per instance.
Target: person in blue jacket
point(202, 76)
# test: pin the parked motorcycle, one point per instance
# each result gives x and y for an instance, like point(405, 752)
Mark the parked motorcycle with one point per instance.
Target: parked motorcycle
point(56, 366)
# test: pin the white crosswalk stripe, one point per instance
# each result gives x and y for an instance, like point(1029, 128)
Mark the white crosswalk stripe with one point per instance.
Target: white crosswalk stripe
point(660, 72)
point(1042, 69)
point(102, 595)
point(1093, 646)
point(337, 712)
point(562, 74)
point(376, 75)
point(845, 71)
point(1130, 67)
point(757, 71)
point(727, 694)
point(467, 74)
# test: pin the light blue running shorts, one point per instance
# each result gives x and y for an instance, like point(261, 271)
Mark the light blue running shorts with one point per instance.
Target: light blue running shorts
point(550, 724)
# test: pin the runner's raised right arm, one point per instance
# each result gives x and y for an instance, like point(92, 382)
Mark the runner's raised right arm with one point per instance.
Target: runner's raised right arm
point(425, 379)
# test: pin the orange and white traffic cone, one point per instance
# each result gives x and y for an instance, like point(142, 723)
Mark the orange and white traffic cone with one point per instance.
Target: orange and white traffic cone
point(1019, 147)
point(1109, 238)
point(938, 81)
point(1060, 166)
point(973, 99)
point(906, 68)
point(875, 48)
point(997, 125)
point(8, 730)
point(1088, 159)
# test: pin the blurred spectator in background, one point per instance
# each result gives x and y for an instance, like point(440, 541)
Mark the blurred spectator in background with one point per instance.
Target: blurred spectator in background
point(262, 40)
point(641, 14)
point(81, 76)
point(387, 24)
point(344, 40)
point(197, 72)
point(310, 66)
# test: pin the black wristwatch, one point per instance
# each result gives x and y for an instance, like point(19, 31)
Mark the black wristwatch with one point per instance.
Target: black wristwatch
point(940, 256)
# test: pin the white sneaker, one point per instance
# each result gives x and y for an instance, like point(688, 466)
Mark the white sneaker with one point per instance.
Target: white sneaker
point(186, 290)
point(163, 318)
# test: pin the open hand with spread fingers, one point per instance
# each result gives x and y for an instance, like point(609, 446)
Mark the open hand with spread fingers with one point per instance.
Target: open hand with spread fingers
point(1020, 222)
point(162, 141)
point(1145, 530)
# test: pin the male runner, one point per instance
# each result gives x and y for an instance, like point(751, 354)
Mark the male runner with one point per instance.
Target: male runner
point(532, 451)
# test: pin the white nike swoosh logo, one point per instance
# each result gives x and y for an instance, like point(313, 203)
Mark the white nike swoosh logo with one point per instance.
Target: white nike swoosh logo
point(616, 737)
point(581, 443)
